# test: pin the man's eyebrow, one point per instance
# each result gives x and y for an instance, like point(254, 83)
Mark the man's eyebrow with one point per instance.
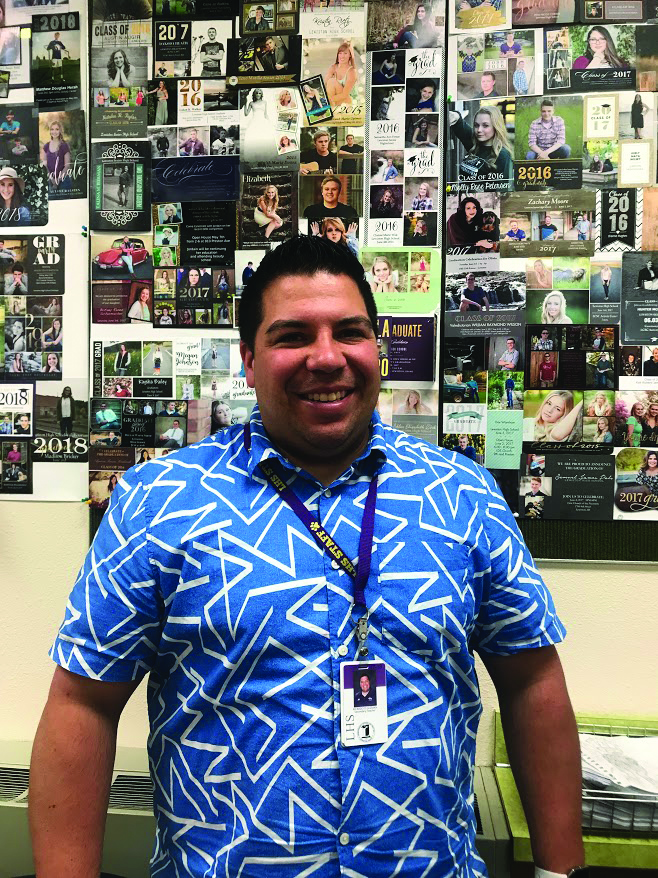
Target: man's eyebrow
point(280, 325)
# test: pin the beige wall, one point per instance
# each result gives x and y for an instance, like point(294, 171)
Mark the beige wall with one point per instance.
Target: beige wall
point(610, 611)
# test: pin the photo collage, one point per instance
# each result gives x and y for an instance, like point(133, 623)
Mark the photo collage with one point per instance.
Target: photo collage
point(212, 141)
point(549, 311)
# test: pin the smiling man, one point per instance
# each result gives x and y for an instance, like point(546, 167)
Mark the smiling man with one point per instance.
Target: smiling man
point(237, 572)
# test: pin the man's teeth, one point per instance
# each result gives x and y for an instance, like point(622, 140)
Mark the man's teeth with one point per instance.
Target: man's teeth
point(326, 397)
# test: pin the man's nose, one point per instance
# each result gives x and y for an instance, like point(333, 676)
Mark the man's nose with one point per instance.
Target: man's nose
point(325, 354)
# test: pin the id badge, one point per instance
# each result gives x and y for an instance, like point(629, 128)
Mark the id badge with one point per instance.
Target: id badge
point(363, 711)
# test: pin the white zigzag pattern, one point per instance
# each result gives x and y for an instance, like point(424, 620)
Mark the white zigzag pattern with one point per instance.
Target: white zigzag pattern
point(202, 575)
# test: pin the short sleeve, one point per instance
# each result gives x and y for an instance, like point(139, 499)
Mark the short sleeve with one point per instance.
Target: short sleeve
point(516, 610)
point(112, 625)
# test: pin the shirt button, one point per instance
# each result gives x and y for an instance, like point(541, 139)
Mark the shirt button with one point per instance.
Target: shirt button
point(335, 565)
point(342, 649)
point(327, 493)
point(344, 838)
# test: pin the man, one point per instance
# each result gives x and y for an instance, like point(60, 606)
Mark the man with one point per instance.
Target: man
point(105, 417)
point(162, 144)
point(168, 409)
point(488, 86)
point(547, 231)
point(55, 48)
point(203, 573)
point(330, 190)
point(192, 145)
point(520, 79)
point(473, 297)
point(211, 55)
point(534, 500)
point(173, 437)
point(547, 137)
point(464, 448)
point(257, 22)
point(8, 131)
point(223, 144)
point(474, 389)
point(247, 272)
point(12, 473)
point(514, 232)
point(544, 343)
point(547, 371)
point(350, 148)
point(647, 278)
point(16, 282)
point(318, 159)
point(125, 179)
point(511, 48)
point(274, 57)
point(6, 427)
point(509, 359)
point(651, 365)
point(583, 226)
point(510, 384)
point(535, 488)
point(22, 425)
point(603, 371)
point(599, 342)
point(364, 696)
point(7, 257)
point(147, 409)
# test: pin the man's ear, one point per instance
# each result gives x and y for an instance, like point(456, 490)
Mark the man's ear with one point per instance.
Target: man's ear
point(248, 359)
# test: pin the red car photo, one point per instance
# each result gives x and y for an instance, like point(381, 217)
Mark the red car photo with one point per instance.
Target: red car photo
point(113, 258)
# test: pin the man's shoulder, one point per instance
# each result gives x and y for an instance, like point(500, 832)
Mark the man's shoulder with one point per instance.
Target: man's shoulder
point(408, 454)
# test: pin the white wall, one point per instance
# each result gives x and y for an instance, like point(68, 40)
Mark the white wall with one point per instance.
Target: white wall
point(610, 611)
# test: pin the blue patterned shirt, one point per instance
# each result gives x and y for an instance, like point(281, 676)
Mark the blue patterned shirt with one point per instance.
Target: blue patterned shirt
point(201, 575)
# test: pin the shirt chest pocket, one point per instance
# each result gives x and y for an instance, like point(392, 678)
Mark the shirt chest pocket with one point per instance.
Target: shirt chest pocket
point(427, 601)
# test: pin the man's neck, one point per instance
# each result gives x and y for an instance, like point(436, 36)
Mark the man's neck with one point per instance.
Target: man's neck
point(325, 470)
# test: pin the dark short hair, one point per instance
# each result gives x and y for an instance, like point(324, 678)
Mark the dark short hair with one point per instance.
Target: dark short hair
point(547, 102)
point(299, 256)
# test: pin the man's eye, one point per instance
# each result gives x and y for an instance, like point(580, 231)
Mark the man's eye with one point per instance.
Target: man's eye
point(290, 338)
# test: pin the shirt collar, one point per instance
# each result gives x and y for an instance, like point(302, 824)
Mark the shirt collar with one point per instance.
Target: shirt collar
point(367, 463)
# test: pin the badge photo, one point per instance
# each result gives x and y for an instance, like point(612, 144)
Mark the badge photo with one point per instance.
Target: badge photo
point(363, 703)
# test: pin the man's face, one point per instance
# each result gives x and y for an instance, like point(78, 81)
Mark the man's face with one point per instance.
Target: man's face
point(535, 484)
point(463, 441)
point(176, 423)
point(487, 82)
point(322, 144)
point(470, 280)
point(350, 139)
point(330, 193)
point(655, 353)
point(259, 14)
point(547, 113)
point(547, 219)
point(212, 33)
point(510, 344)
point(17, 276)
point(364, 684)
point(269, 45)
point(315, 367)
point(24, 422)
point(514, 225)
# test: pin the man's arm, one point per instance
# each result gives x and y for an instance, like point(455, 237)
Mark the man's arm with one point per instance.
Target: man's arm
point(71, 773)
point(544, 752)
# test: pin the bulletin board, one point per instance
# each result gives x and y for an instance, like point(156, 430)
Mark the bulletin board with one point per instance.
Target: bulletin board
point(492, 164)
